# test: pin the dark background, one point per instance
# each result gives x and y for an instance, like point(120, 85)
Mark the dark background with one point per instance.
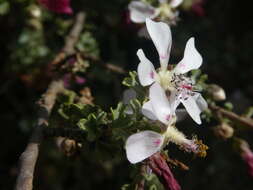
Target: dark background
point(224, 37)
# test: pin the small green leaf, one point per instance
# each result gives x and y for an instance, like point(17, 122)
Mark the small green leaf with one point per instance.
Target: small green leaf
point(228, 105)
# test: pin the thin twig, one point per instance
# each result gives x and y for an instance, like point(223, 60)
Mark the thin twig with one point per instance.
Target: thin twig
point(71, 39)
point(115, 68)
point(111, 67)
point(29, 157)
point(231, 115)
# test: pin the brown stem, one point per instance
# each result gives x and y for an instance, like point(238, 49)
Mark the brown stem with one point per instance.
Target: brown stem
point(71, 39)
point(231, 115)
point(115, 68)
point(111, 67)
point(29, 157)
point(141, 184)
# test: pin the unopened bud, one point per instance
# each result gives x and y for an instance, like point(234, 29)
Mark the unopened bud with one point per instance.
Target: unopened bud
point(224, 131)
point(217, 93)
point(68, 146)
point(34, 11)
point(160, 167)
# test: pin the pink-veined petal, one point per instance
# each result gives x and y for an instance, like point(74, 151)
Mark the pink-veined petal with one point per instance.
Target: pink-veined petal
point(147, 111)
point(146, 70)
point(139, 11)
point(175, 3)
point(58, 6)
point(192, 59)
point(142, 145)
point(192, 108)
point(160, 103)
point(161, 36)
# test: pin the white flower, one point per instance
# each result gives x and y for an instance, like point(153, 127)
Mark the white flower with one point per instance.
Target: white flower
point(140, 10)
point(142, 145)
point(174, 81)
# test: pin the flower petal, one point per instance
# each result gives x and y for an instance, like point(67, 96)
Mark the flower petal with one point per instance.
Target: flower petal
point(146, 70)
point(147, 111)
point(175, 3)
point(192, 59)
point(160, 104)
point(174, 101)
point(192, 108)
point(161, 36)
point(139, 11)
point(142, 145)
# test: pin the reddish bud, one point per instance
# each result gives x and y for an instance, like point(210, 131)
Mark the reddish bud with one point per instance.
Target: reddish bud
point(198, 9)
point(247, 156)
point(58, 6)
point(160, 167)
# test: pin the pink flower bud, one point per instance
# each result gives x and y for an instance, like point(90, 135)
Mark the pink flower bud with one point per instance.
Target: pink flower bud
point(58, 6)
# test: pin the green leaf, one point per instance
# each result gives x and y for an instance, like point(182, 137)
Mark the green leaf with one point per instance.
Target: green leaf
point(116, 113)
point(131, 81)
point(228, 105)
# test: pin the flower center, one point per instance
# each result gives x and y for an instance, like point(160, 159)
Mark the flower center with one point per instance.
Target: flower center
point(183, 85)
point(165, 10)
point(165, 79)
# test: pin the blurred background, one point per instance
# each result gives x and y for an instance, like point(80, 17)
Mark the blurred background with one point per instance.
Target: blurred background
point(30, 38)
